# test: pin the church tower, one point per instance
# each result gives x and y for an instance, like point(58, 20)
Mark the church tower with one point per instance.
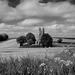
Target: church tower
point(41, 32)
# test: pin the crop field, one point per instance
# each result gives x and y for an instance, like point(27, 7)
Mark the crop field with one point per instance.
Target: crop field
point(11, 48)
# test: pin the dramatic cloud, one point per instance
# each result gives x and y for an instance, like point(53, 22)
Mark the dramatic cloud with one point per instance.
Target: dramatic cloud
point(34, 14)
point(31, 8)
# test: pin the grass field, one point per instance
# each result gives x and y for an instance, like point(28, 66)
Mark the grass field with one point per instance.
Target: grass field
point(53, 58)
point(56, 60)
point(10, 47)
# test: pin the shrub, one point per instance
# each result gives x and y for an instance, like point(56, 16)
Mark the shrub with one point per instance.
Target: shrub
point(59, 40)
point(30, 36)
point(21, 40)
point(46, 40)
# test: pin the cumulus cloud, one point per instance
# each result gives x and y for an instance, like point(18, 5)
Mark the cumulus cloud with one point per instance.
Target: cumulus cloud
point(71, 20)
point(31, 8)
point(59, 28)
point(30, 22)
point(4, 26)
point(31, 13)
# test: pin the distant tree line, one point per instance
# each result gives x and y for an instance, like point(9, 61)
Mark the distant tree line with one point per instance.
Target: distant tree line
point(46, 1)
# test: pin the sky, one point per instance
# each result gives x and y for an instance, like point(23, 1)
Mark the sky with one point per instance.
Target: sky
point(58, 19)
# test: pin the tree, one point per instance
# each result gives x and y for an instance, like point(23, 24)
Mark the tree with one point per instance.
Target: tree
point(31, 37)
point(59, 40)
point(46, 40)
point(3, 37)
point(21, 40)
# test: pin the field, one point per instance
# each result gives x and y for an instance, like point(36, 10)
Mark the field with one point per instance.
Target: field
point(36, 61)
point(11, 48)
point(50, 64)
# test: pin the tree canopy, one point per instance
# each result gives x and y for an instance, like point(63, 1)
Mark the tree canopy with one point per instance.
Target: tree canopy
point(31, 36)
point(4, 37)
point(21, 40)
point(46, 40)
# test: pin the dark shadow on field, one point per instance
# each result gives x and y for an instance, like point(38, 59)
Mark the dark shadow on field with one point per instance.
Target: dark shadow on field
point(31, 46)
point(54, 45)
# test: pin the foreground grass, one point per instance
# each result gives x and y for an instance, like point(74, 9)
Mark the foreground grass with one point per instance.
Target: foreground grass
point(61, 64)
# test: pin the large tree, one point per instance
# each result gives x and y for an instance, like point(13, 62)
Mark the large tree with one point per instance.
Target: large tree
point(1, 37)
point(21, 40)
point(46, 40)
point(4, 37)
point(31, 37)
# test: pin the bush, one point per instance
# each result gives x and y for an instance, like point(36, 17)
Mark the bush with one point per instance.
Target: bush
point(21, 40)
point(46, 40)
point(59, 40)
point(31, 36)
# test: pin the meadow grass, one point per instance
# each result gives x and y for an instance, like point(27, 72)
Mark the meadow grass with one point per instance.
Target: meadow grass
point(61, 64)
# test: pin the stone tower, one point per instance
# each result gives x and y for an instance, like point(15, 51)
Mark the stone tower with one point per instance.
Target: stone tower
point(41, 32)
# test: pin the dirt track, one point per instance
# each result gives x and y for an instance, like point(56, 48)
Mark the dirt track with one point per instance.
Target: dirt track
point(11, 48)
